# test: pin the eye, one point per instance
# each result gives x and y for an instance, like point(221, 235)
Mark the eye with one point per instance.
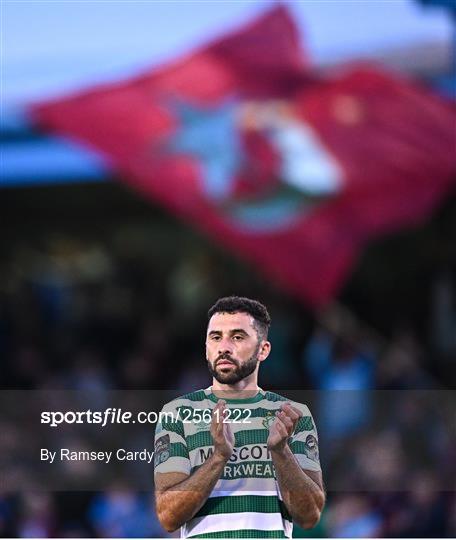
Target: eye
point(215, 338)
point(238, 337)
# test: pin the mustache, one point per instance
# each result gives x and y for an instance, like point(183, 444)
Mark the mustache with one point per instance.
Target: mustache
point(225, 356)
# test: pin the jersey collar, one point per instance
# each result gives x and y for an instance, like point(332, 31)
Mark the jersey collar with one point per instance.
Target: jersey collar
point(254, 399)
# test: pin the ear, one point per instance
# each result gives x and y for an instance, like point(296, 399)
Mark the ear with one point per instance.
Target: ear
point(265, 349)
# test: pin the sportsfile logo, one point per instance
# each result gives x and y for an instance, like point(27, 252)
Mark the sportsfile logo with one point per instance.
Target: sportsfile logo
point(111, 415)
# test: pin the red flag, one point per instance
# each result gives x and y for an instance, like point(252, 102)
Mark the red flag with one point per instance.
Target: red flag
point(292, 171)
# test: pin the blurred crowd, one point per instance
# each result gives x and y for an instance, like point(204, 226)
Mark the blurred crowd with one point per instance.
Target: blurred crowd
point(81, 315)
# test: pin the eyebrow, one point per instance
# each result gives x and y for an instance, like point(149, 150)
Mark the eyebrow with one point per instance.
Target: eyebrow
point(232, 332)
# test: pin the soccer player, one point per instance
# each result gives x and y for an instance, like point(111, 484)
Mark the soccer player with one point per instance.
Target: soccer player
point(233, 460)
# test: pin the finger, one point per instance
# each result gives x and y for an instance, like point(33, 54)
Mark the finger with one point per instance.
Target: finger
point(217, 415)
point(279, 422)
point(220, 407)
point(288, 423)
point(225, 410)
point(274, 429)
point(297, 411)
point(225, 414)
point(292, 418)
point(214, 413)
point(294, 414)
point(291, 411)
point(281, 429)
point(289, 407)
point(287, 420)
point(228, 433)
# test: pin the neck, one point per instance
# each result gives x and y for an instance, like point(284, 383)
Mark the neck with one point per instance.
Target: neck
point(246, 388)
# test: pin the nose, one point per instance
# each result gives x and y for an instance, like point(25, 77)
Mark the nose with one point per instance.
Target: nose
point(225, 347)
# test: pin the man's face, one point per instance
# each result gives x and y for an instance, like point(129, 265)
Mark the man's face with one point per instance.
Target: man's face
point(233, 347)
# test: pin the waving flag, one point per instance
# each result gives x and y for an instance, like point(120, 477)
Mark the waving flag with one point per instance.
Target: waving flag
point(291, 170)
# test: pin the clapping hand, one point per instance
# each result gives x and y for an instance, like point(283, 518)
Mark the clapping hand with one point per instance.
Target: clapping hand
point(221, 432)
point(283, 427)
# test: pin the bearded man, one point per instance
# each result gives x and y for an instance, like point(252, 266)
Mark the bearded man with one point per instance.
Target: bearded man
point(233, 460)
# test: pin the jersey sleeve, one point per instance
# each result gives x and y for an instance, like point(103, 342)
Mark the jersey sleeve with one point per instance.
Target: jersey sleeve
point(304, 441)
point(170, 449)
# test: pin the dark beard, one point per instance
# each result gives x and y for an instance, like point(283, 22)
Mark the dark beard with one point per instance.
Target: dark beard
point(236, 374)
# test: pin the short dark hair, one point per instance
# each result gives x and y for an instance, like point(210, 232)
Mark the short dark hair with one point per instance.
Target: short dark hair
point(241, 304)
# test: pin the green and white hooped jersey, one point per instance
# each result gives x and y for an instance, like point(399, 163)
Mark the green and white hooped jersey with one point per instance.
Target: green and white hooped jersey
point(246, 502)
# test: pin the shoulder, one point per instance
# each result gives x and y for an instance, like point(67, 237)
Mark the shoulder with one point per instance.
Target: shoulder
point(273, 397)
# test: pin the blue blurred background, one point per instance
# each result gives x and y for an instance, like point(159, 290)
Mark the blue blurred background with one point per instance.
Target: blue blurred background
point(94, 293)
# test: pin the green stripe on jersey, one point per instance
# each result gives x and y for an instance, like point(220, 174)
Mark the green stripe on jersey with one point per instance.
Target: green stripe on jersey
point(253, 399)
point(198, 440)
point(199, 395)
point(172, 425)
point(304, 424)
point(272, 396)
point(298, 447)
point(266, 504)
point(251, 436)
point(178, 450)
point(246, 533)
